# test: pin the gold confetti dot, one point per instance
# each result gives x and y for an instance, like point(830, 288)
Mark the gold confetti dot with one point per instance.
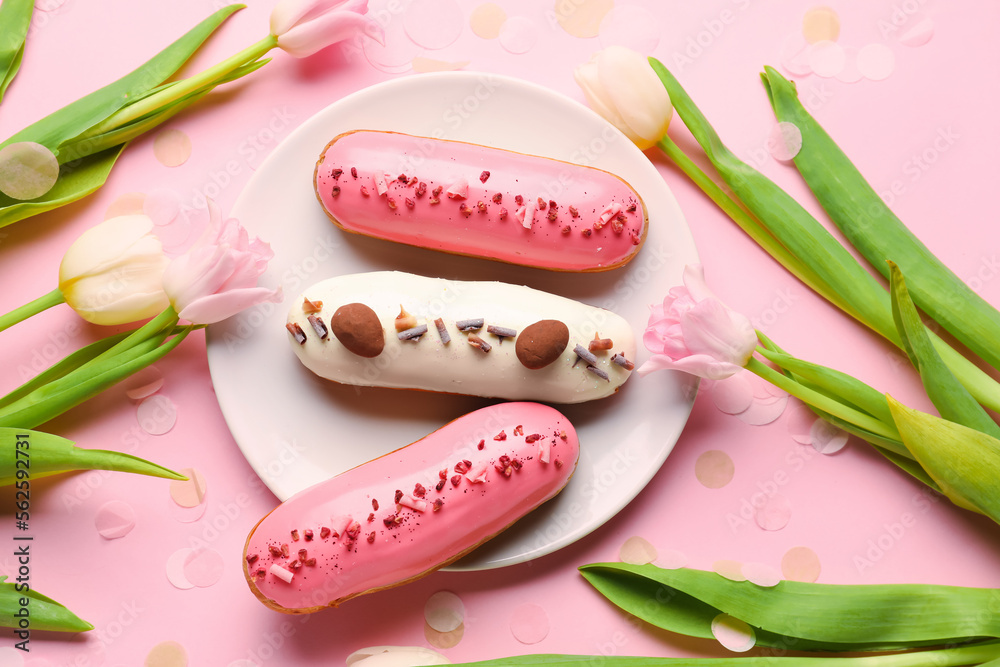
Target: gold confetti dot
point(819, 24)
point(800, 564)
point(582, 18)
point(443, 639)
point(714, 469)
point(486, 20)
point(172, 148)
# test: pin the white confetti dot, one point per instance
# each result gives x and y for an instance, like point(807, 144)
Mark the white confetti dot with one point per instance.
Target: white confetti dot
point(733, 395)
point(733, 633)
point(827, 438)
point(876, 61)
point(203, 567)
point(730, 569)
point(114, 519)
point(774, 513)
point(785, 141)
point(671, 559)
point(762, 412)
point(529, 623)
point(175, 569)
point(826, 58)
point(518, 35)
point(156, 414)
point(433, 24)
point(444, 611)
point(631, 26)
point(761, 574)
point(637, 551)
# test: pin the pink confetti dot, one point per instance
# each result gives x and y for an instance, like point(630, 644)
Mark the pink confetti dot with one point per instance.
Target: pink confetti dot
point(190, 492)
point(167, 654)
point(876, 61)
point(444, 611)
point(143, 384)
point(785, 141)
point(774, 513)
point(636, 551)
point(186, 514)
point(733, 633)
point(156, 414)
point(761, 575)
point(114, 519)
point(203, 567)
point(919, 34)
point(763, 412)
point(800, 564)
point(714, 469)
point(162, 206)
point(733, 395)
point(396, 55)
point(827, 438)
point(850, 73)
point(529, 623)
point(826, 58)
point(175, 569)
point(171, 147)
point(518, 35)
point(793, 55)
point(433, 24)
point(800, 421)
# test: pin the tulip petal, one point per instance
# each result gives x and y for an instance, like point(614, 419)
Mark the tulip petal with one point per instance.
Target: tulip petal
point(701, 365)
point(638, 95)
point(217, 307)
point(588, 78)
point(335, 26)
point(712, 329)
point(695, 283)
point(105, 243)
point(199, 272)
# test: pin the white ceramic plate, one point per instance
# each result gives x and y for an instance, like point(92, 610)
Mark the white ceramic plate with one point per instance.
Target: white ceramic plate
point(297, 430)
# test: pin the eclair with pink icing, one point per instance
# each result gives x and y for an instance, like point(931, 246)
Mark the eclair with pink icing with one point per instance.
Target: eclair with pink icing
point(405, 514)
point(473, 337)
point(475, 200)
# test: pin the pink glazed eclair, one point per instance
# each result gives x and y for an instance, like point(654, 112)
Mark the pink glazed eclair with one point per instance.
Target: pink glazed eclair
point(475, 200)
point(412, 511)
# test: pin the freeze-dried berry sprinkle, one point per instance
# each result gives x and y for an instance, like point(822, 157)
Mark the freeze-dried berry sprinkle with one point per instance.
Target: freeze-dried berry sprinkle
point(410, 203)
point(502, 435)
point(586, 232)
point(519, 200)
point(483, 177)
point(436, 192)
point(399, 496)
point(375, 504)
point(566, 230)
point(552, 204)
point(541, 204)
point(354, 172)
point(324, 532)
point(335, 191)
point(534, 437)
point(419, 491)
point(371, 537)
point(308, 534)
point(364, 191)
point(503, 213)
point(440, 484)
point(573, 212)
point(336, 173)
point(497, 198)
point(391, 202)
point(371, 517)
point(481, 445)
point(402, 178)
point(631, 208)
point(421, 190)
point(456, 480)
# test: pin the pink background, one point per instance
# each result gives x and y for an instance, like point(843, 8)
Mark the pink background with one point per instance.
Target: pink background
point(849, 508)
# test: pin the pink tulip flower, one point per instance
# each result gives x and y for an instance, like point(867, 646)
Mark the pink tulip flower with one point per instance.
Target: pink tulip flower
point(217, 277)
point(694, 332)
point(303, 27)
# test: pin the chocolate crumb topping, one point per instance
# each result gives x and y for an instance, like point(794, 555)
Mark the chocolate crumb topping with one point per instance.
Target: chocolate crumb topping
point(476, 341)
point(311, 307)
point(622, 361)
point(501, 332)
point(585, 354)
point(599, 372)
point(442, 331)
point(297, 333)
point(541, 343)
point(413, 333)
point(600, 344)
point(318, 326)
point(473, 324)
point(357, 327)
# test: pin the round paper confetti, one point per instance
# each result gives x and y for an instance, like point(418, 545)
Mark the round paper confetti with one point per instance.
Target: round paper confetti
point(827, 438)
point(671, 559)
point(175, 235)
point(443, 639)
point(876, 61)
point(433, 24)
point(186, 514)
point(518, 35)
point(636, 551)
point(130, 203)
point(733, 633)
point(919, 34)
point(172, 147)
point(762, 412)
point(486, 20)
point(631, 26)
point(774, 513)
point(760, 574)
point(421, 64)
point(582, 18)
point(144, 383)
point(819, 24)
point(114, 519)
point(800, 421)
point(11, 657)
point(444, 611)
point(826, 58)
point(190, 492)
point(800, 564)
point(850, 73)
point(162, 206)
point(175, 569)
point(203, 567)
point(793, 55)
point(730, 569)
point(764, 389)
point(27, 170)
point(156, 414)
point(529, 624)
point(396, 55)
point(785, 141)
point(167, 654)
point(714, 469)
point(733, 395)
point(49, 5)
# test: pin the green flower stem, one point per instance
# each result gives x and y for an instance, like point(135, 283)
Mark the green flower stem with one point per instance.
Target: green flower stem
point(53, 298)
point(820, 401)
point(752, 226)
point(180, 89)
point(46, 613)
point(165, 320)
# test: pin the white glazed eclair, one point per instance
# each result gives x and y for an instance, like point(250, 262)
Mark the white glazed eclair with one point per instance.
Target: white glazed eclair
point(480, 338)
point(405, 514)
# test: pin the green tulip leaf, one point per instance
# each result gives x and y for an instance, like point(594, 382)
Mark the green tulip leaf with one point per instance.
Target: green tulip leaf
point(45, 613)
point(38, 454)
point(15, 19)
